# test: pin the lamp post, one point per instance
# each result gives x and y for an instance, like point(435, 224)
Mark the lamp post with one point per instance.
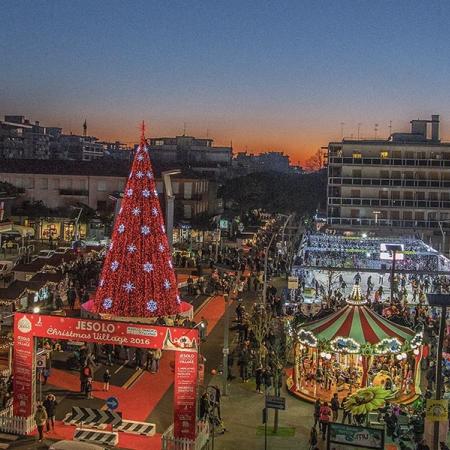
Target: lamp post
point(393, 249)
point(170, 201)
point(442, 301)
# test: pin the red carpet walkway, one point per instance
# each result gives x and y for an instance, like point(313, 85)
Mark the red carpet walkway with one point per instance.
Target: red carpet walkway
point(140, 399)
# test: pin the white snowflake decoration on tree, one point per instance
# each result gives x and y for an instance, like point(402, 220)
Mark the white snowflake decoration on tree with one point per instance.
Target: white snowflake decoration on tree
point(107, 303)
point(121, 228)
point(136, 211)
point(167, 284)
point(148, 267)
point(161, 248)
point(111, 245)
point(152, 306)
point(139, 174)
point(140, 158)
point(131, 248)
point(128, 286)
point(145, 230)
point(154, 211)
point(114, 265)
point(146, 193)
point(129, 192)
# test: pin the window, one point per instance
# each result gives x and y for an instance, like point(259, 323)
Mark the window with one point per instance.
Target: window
point(187, 211)
point(384, 154)
point(159, 142)
point(55, 183)
point(354, 213)
point(407, 215)
point(43, 183)
point(101, 186)
point(175, 187)
point(357, 155)
point(188, 190)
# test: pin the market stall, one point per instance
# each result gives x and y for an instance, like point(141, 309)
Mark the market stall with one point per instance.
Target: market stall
point(352, 348)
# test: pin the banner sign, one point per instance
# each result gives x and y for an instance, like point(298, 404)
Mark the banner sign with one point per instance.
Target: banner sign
point(185, 394)
point(345, 436)
point(436, 410)
point(29, 326)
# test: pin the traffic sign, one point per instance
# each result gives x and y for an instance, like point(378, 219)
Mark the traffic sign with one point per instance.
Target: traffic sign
point(275, 402)
point(112, 403)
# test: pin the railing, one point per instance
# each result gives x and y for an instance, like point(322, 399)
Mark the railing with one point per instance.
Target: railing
point(393, 182)
point(77, 192)
point(16, 425)
point(393, 203)
point(385, 222)
point(411, 162)
point(169, 442)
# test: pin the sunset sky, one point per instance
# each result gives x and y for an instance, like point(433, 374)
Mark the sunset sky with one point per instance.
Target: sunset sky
point(279, 75)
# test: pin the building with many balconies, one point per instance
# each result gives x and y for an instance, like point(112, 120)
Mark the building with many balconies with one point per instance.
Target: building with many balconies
point(402, 182)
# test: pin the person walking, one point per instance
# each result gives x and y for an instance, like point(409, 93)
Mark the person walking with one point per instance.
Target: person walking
point(317, 406)
point(40, 417)
point(106, 379)
point(50, 407)
point(325, 413)
point(335, 407)
point(88, 388)
point(346, 414)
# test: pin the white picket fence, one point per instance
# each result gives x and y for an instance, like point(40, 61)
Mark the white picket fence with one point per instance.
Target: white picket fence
point(15, 425)
point(169, 442)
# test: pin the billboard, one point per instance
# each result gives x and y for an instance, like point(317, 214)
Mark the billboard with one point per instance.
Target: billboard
point(387, 253)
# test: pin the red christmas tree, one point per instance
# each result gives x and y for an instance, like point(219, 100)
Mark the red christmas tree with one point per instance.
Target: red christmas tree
point(138, 279)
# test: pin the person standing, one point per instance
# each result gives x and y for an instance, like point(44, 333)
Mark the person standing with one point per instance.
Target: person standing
point(335, 407)
point(40, 417)
point(325, 413)
point(317, 406)
point(346, 414)
point(88, 388)
point(106, 379)
point(50, 407)
point(156, 357)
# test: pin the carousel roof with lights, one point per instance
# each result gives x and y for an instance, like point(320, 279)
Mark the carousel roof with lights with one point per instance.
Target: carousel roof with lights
point(356, 328)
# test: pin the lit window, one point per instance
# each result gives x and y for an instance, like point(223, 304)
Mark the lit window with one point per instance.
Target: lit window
point(357, 155)
point(384, 154)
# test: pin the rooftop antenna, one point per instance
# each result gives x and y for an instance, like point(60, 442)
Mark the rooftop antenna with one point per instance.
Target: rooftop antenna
point(375, 128)
point(85, 128)
point(184, 128)
point(359, 128)
point(342, 130)
point(143, 141)
point(390, 127)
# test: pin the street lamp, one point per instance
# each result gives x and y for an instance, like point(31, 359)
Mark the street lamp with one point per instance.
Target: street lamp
point(393, 249)
point(442, 301)
point(170, 201)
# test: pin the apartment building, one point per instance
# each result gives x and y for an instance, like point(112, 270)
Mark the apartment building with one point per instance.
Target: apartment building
point(402, 182)
point(61, 183)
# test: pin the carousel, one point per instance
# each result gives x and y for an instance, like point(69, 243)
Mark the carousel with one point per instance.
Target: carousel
point(354, 348)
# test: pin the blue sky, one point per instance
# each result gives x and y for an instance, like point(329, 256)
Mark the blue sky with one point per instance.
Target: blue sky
point(276, 75)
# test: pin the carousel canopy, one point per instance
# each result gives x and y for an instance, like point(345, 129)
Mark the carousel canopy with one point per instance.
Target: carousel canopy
point(357, 329)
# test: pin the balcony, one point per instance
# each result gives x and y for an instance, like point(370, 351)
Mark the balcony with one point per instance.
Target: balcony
point(388, 203)
point(392, 182)
point(365, 222)
point(443, 163)
point(74, 192)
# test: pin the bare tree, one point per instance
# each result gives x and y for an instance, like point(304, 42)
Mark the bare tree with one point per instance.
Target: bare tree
point(260, 322)
point(315, 162)
point(332, 275)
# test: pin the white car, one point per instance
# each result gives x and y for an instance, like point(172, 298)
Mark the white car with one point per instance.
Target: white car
point(75, 445)
point(46, 254)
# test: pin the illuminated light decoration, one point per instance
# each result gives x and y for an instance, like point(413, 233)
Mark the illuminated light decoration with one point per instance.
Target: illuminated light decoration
point(170, 264)
point(111, 245)
point(146, 193)
point(161, 248)
point(130, 176)
point(120, 210)
point(163, 228)
point(129, 192)
point(101, 282)
point(121, 228)
point(131, 248)
point(307, 338)
point(148, 267)
point(128, 287)
point(152, 306)
point(107, 303)
point(344, 345)
point(143, 275)
point(145, 230)
point(391, 345)
point(416, 341)
point(155, 192)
